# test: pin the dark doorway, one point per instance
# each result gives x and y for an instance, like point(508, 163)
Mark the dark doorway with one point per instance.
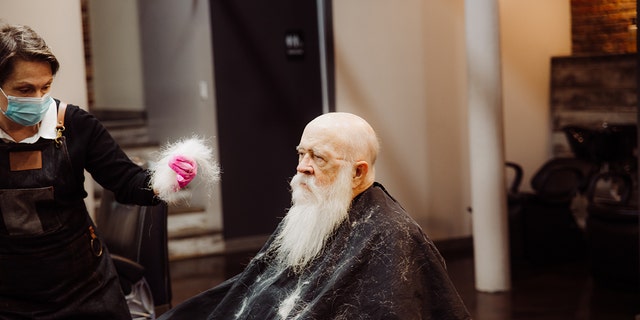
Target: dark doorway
point(270, 80)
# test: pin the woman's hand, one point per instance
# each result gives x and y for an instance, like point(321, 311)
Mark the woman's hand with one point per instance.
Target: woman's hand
point(185, 168)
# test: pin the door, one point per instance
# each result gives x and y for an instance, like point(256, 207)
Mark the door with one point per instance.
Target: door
point(271, 78)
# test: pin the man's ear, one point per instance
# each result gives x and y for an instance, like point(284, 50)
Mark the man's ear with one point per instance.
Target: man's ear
point(360, 174)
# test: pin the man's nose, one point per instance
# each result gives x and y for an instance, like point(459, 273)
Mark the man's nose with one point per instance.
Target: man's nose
point(304, 165)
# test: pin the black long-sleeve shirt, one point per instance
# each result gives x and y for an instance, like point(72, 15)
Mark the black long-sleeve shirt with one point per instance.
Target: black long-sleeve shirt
point(91, 147)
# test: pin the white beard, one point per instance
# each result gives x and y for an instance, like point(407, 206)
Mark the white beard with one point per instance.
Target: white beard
point(315, 213)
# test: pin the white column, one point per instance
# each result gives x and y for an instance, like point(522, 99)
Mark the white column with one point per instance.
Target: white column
point(488, 191)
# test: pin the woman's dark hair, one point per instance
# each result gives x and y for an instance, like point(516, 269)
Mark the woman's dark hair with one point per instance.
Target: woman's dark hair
point(21, 42)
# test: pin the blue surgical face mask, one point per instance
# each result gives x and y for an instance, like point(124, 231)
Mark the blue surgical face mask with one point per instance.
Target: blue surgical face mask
point(26, 111)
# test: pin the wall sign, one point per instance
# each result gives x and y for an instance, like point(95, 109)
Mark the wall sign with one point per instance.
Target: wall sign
point(294, 44)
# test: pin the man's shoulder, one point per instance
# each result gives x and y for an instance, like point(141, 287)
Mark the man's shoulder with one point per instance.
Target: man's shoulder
point(378, 211)
point(377, 200)
point(376, 194)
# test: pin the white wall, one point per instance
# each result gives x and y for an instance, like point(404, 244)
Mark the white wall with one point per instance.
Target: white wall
point(60, 24)
point(532, 32)
point(116, 55)
point(401, 65)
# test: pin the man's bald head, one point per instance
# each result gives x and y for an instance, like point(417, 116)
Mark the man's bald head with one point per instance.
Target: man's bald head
point(353, 135)
point(340, 136)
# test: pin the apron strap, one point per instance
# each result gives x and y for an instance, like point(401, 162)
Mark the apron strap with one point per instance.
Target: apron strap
point(61, 111)
point(60, 125)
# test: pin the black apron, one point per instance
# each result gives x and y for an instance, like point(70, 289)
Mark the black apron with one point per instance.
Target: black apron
point(52, 264)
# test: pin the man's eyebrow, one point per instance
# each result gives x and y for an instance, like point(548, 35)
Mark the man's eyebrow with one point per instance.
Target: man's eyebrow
point(301, 148)
point(312, 151)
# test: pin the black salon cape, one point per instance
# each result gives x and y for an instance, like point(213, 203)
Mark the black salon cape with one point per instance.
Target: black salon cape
point(378, 265)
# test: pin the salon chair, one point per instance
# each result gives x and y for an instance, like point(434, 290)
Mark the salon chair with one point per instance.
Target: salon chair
point(514, 205)
point(612, 231)
point(610, 146)
point(543, 229)
point(136, 237)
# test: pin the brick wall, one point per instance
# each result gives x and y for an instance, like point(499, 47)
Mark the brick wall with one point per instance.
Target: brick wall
point(601, 26)
point(595, 87)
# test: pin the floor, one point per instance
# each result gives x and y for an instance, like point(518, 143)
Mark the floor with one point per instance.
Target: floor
point(561, 291)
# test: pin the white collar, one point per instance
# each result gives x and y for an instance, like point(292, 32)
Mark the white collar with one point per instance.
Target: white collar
point(47, 128)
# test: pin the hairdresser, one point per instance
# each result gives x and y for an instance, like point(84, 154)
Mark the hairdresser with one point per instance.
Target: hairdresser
point(52, 262)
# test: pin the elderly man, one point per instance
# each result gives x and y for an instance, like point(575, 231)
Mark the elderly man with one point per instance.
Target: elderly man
point(345, 250)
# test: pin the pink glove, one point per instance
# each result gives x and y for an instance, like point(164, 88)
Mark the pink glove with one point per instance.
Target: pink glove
point(185, 167)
